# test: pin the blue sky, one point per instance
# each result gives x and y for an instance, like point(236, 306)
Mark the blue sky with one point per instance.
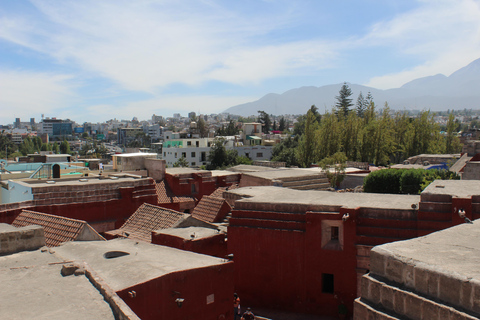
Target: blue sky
point(96, 60)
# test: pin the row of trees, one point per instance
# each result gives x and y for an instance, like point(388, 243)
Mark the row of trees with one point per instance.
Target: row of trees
point(30, 145)
point(365, 134)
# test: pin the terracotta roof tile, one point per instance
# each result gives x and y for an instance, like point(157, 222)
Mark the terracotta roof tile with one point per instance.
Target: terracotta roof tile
point(219, 192)
point(57, 229)
point(165, 194)
point(211, 209)
point(146, 219)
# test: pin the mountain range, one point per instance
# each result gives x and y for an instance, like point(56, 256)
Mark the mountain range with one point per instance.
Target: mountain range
point(460, 90)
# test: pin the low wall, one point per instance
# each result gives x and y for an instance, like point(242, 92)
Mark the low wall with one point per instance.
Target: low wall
point(21, 239)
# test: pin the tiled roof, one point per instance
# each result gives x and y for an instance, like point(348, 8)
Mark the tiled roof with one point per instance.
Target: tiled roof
point(211, 209)
point(146, 219)
point(165, 194)
point(219, 192)
point(57, 229)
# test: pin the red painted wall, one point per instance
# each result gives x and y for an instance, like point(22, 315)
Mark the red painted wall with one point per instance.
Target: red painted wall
point(117, 210)
point(155, 299)
point(181, 185)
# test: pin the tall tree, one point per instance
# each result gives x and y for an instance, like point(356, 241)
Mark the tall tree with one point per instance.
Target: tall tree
point(65, 147)
point(361, 105)
point(282, 125)
point(344, 102)
point(231, 129)
point(217, 157)
point(264, 119)
point(202, 128)
point(307, 149)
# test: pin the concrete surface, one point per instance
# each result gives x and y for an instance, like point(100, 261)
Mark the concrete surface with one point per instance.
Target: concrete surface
point(144, 261)
point(186, 233)
point(33, 288)
point(327, 198)
point(455, 188)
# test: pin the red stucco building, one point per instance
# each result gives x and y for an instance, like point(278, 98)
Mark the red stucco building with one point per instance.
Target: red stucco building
point(305, 251)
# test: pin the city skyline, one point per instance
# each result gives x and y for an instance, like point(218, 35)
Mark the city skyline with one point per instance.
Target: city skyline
point(92, 62)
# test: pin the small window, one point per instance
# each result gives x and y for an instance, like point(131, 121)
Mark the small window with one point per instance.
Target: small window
point(194, 164)
point(193, 154)
point(334, 233)
point(197, 144)
point(175, 155)
point(259, 154)
point(189, 143)
point(203, 156)
point(164, 154)
point(184, 154)
point(327, 283)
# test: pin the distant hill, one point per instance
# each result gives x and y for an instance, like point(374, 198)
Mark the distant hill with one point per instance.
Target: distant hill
point(438, 93)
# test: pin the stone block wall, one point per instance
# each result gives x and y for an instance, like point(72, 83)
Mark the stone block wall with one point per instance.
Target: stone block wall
point(21, 239)
point(399, 289)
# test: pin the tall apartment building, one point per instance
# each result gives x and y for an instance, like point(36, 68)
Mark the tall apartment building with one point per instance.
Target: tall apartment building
point(56, 128)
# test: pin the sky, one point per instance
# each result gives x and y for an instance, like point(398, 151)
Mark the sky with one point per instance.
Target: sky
point(91, 60)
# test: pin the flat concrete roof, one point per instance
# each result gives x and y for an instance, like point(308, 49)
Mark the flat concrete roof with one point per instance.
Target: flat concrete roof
point(454, 251)
point(455, 188)
point(78, 181)
point(144, 262)
point(186, 233)
point(183, 170)
point(284, 173)
point(249, 168)
point(217, 173)
point(33, 288)
point(313, 197)
point(136, 154)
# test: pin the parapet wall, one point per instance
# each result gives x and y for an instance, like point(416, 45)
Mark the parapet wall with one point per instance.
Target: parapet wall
point(21, 239)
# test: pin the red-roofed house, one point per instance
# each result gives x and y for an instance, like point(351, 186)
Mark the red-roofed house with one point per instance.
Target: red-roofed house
point(211, 209)
point(167, 199)
point(57, 229)
point(146, 219)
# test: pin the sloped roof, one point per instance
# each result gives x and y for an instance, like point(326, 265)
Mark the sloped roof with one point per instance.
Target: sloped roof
point(165, 194)
point(211, 209)
point(57, 229)
point(218, 193)
point(146, 219)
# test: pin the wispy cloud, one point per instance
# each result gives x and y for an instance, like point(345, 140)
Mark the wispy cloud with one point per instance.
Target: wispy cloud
point(145, 45)
point(27, 94)
point(443, 34)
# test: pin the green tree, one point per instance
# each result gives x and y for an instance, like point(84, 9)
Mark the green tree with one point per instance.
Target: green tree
point(361, 105)
point(282, 125)
point(334, 167)
point(56, 148)
point(65, 147)
point(264, 119)
point(202, 127)
point(308, 145)
point(217, 157)
point(7, 147)
point(344, 102)
point(329, 136)
point(231, 129)
point(182, 162)
point(285, 151)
